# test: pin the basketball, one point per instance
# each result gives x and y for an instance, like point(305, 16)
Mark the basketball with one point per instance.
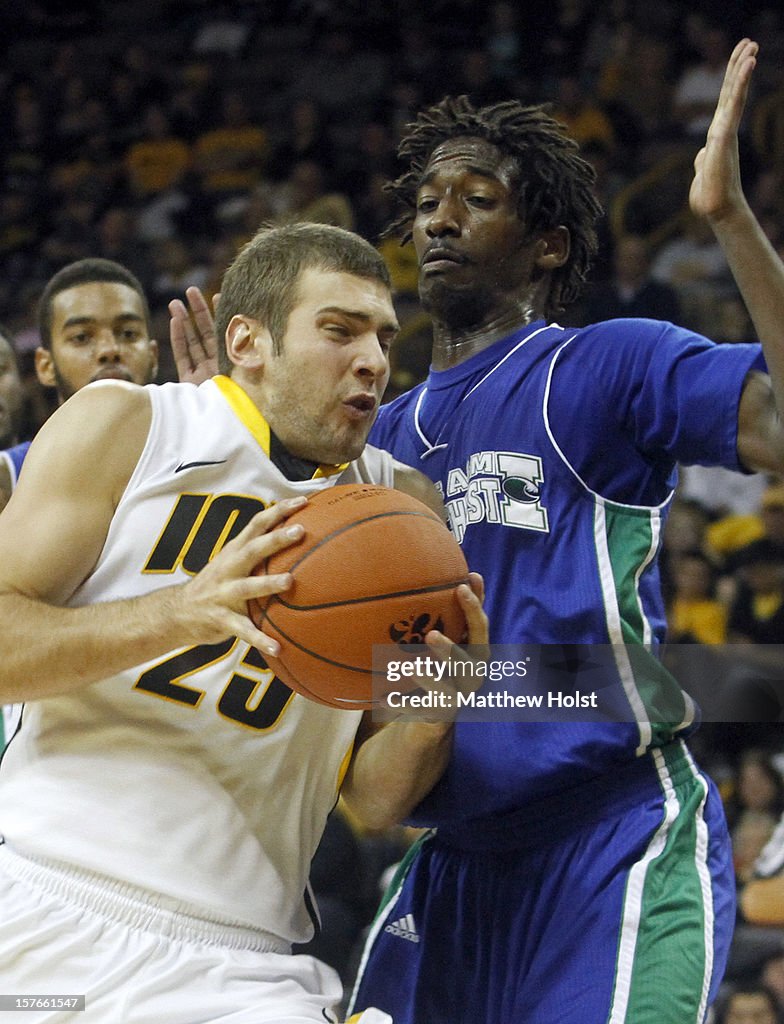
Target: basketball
point(375, 566)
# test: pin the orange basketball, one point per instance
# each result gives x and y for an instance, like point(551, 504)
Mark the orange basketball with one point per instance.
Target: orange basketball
point(375, 566)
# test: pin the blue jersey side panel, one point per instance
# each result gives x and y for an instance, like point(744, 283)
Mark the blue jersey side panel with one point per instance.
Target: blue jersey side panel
point(555, 451)
point(14, 458)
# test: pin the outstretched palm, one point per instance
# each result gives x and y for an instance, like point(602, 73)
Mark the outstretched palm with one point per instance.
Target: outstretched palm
point(716, 188)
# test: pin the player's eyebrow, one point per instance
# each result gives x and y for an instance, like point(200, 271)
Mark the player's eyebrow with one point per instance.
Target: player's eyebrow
point(75, 321)
point(358, 314)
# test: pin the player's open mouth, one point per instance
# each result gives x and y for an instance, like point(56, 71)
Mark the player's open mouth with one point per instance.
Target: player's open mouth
point(360, 406)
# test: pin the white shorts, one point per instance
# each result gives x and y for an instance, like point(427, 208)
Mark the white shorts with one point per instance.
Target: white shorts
point(65, 933)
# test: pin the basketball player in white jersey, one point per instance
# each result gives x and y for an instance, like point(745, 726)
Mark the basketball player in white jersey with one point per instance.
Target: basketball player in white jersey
point(162, 800)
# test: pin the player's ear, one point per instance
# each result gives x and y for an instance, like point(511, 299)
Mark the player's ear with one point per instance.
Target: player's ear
point(552, 248)
point(248, 343)
point(44, 367)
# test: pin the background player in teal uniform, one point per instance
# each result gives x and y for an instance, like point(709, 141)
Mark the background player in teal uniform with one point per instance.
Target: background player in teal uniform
point(581, 872)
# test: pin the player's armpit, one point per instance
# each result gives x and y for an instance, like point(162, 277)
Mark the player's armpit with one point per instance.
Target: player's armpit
point(760, 426)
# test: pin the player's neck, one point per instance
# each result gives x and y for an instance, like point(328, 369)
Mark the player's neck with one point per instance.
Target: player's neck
point(452, 346)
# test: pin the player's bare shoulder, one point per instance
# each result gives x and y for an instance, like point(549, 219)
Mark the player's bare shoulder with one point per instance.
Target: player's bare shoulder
point(412, 482)
point(93, 440)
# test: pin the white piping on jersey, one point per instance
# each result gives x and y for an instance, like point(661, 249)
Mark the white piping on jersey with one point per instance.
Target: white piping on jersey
point(422, 437)
point(566, 462)
point(632, 907)
point(606, 577)
point(613, 620)
point(417, 425)
point(703, 872)
point(511, 352)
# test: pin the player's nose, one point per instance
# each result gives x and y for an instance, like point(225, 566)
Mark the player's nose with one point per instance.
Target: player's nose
point(444, 218)
point(370, 359)
point(107, 347)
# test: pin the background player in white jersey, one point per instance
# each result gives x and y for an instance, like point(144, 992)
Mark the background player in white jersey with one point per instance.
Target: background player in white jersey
point(581, 871)
point(164, 795)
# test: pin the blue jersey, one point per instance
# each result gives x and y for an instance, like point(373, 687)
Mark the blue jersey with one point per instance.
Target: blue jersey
point(14, 457)
point(555, 450)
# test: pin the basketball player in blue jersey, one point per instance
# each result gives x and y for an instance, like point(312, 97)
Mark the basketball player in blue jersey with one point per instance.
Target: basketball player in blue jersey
point(580, 872)
point(11, 405)
point(163, 797)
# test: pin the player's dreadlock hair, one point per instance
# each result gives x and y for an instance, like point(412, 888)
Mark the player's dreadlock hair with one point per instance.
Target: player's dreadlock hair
point(555, 182)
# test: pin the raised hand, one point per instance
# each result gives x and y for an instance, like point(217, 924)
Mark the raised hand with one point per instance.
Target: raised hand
point(716, 189)
point(192, 336)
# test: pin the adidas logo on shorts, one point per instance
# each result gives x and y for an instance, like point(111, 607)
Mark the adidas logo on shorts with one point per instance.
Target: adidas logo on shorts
point(404, 927)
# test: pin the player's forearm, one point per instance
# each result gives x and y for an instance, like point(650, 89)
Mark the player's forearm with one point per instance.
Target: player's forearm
point(46, 650)
point(759, 274)
point(395, 769)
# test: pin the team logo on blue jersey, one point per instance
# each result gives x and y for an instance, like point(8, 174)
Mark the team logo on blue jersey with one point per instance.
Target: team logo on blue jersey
point(496, 487)
point(521, 490)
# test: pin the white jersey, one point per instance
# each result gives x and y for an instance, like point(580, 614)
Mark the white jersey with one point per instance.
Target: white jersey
point(197, 777)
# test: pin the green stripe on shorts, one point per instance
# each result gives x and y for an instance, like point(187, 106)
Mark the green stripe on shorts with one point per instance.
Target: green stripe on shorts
point(665, 951)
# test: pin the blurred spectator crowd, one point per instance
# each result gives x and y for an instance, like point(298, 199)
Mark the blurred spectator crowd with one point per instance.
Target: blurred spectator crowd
point(161, 135)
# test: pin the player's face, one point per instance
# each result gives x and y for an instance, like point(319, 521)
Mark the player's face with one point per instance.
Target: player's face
point(321, 393)
point(11, 395)
point(99, 332)
point(474, 255)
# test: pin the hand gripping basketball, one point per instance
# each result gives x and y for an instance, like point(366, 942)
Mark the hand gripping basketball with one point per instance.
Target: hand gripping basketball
point(375, 566)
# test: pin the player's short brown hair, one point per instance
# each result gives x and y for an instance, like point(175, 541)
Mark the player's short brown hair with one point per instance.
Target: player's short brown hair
point(262, 280)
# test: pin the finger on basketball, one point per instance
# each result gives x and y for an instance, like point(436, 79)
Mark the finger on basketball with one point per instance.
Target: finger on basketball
point(269, 518)
point(264, 585)
point(247, 631)
point(477, 624)
point(477, 584)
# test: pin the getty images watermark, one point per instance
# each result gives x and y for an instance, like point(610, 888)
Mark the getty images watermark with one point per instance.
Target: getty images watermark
point(674, 685)
point(454, 686)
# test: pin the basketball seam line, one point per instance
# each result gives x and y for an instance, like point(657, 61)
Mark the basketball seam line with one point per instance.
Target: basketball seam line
point(357, 522)
point(449, 585)
point(320, 657)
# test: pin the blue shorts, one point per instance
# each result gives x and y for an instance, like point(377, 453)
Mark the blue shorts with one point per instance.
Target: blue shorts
point(611, 905)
